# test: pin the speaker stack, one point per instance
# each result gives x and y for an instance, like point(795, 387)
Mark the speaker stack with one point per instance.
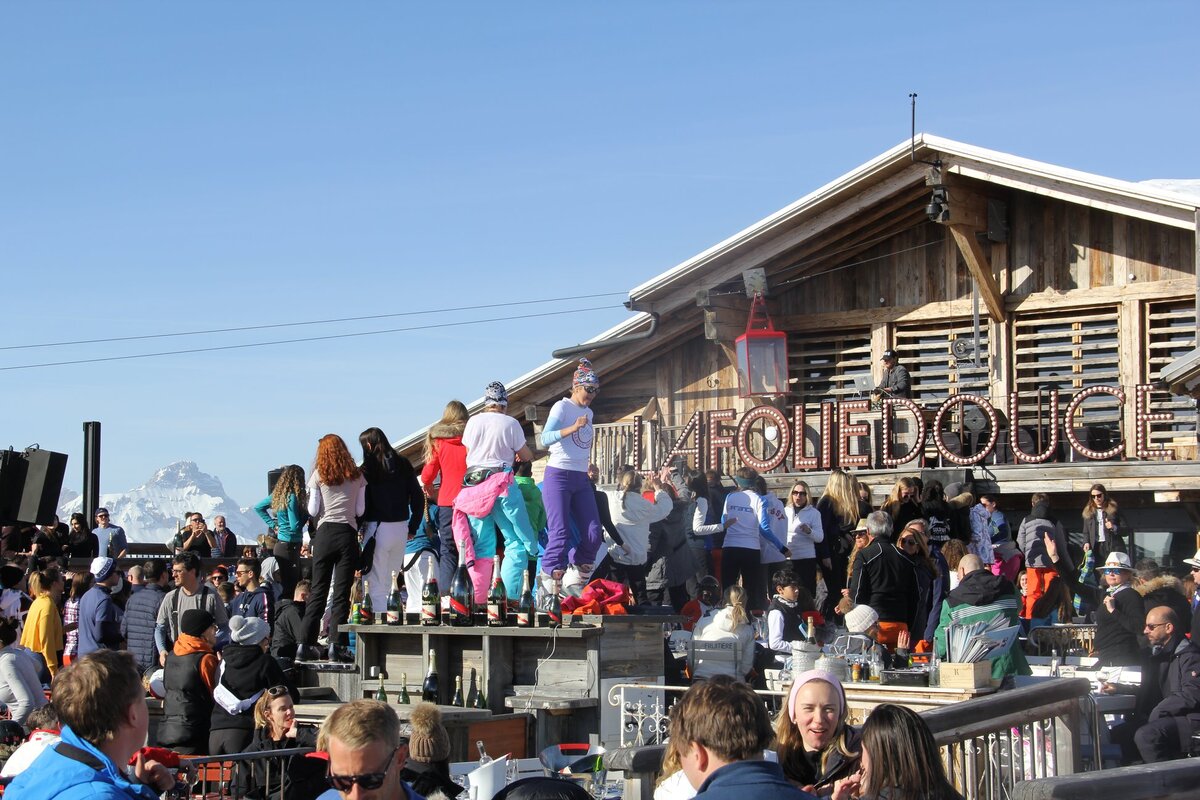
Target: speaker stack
point(30, 485)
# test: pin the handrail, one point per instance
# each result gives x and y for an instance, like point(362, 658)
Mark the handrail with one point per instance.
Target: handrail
point(1176, 779)
point(1003, 709)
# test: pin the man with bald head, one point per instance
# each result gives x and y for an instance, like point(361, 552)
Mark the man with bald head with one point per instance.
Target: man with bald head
point(1168, 704)
point(981, 597)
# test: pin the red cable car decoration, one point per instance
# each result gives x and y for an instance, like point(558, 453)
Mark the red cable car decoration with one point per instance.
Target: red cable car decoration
point(762, 359)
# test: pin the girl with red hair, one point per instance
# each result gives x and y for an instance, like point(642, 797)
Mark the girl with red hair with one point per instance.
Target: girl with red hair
point(337, 497)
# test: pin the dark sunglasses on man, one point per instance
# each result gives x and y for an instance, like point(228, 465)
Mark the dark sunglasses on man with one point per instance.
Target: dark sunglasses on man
point(369, 781)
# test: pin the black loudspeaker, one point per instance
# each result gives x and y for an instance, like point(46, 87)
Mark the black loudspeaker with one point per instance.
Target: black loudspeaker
point(273, 477)
point(43, 484)
point(30, 484)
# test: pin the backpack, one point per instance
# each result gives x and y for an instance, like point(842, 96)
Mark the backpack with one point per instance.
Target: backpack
point(939, 529)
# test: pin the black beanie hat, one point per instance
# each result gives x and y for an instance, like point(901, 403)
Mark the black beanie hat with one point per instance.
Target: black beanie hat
point(195, 621)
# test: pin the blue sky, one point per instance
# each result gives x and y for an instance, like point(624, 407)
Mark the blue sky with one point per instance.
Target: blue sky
point(172, 167)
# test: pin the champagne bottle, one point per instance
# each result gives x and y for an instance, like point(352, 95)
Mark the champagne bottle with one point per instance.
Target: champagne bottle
point(497, 605)
point(462, 594)
point(811, 636)
point(458, 700)
point(404, 698)
point(554, 614)
point(395, 611)
point(479, 701)
point(381, 693)
point(431, 604)
point(429, 689)
point(526, 613)
point(366, 610)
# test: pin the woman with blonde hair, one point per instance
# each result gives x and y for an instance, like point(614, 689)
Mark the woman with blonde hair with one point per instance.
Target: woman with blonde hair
point(814, 743)
point(840, 509)
point(337, 497)
point(903, 504)
point(275, 728)
point(731, 622)
point(445, 459)
point(632, 515)
point(43, 632)
point(285, 511)
point(805, 532)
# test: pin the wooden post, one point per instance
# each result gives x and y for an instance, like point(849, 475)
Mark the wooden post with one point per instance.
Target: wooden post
point(981, 270)
point(1132, 358)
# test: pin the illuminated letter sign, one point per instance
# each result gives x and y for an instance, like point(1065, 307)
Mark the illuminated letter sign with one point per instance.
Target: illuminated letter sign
point(846, 430)
point(774, 416)
point(1143, 418)
point(717, 440)
point(1014, 430)
point(1069, 422)
point(886, 434)
point(958, 400)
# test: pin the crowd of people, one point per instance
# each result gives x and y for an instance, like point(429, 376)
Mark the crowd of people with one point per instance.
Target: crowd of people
point(738, 561)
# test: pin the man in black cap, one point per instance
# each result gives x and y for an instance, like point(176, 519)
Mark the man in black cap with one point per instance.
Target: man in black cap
point(895, 381)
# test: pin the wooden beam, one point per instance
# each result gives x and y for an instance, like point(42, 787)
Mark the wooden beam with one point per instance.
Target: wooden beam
point(981, 270)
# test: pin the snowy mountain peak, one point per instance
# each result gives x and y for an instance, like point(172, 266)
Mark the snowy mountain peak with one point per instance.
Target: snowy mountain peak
point(153, 511)
point(185, 475)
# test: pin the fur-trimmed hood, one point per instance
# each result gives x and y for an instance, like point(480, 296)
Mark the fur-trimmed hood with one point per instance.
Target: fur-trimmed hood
point(447, 430)
point(1161, 583)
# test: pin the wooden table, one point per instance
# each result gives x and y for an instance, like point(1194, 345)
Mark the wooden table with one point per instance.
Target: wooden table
point(576, 662)
point(861, 698)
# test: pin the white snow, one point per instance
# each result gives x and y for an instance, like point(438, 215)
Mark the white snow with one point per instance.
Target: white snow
point(1188, 187)
point(152, 511)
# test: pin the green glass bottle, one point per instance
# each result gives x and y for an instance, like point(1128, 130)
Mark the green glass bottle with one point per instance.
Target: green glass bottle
point(404, 698)
point(366, 610)
point(458, 693)
point(381, 693)
point(395, 611)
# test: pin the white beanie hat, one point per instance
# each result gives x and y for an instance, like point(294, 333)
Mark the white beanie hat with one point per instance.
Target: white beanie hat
point(247, 630)
point(860, 618)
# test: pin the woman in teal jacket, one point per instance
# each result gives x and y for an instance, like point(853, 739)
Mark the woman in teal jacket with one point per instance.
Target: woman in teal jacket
point(285, 511)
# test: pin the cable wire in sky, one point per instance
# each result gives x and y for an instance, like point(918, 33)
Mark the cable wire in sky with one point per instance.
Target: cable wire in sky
point(307, 322)
point(304, 339)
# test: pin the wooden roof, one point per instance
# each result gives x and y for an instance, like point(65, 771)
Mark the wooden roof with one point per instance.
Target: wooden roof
point(829, 226)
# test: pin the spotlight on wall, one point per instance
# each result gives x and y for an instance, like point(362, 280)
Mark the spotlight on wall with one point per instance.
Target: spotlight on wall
point(938, 209)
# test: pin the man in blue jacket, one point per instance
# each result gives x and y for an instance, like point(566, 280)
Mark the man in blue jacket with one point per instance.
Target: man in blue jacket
point(721, 728)
point(102, 705)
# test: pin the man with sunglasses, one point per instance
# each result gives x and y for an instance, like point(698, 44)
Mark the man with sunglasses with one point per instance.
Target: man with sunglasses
point(112, 539)
point(1168, 699)
point(367, 750)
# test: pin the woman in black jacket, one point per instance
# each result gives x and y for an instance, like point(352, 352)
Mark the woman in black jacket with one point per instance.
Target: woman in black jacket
point(395, 502)
point(294, 777)
point(247, 670)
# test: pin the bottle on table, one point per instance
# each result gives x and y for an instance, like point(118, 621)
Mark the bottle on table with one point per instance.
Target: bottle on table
point(526, 612)
point(395, 611)
point(462, 594)
point(431, 603)
point(366, 610)
point(479, 701)
point(404, 698)
point(429, 688)
point(554, 613)
point(497, 605)
point(381, 693)
point(811, 635)
point(484, 758)
point(458, 699)
point(876, 661)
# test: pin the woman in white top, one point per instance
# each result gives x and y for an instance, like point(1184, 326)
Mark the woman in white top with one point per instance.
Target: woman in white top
point(20, 688)
point(729, 623)
point(337, 496)
point(748, 523)
point(494, 440)
point(632, 515)
point(804, 532)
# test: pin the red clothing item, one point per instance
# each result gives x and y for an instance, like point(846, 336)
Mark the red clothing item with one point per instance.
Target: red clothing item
point(450, 459)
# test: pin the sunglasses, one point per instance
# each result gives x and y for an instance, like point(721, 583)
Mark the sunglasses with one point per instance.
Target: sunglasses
point(277, 691)
point(908, 540)
point(799, 494)
point(367, 780)
point(591, 389)
point(1097, 497)
point(1111, 571)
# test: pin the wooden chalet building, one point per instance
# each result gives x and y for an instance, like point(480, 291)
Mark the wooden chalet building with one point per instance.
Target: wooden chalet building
point(1034, 306)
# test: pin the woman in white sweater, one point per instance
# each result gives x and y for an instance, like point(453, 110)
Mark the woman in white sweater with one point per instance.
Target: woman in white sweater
point(20, 688)
point(632, 515)
point(804, 533)
point(730, 623)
